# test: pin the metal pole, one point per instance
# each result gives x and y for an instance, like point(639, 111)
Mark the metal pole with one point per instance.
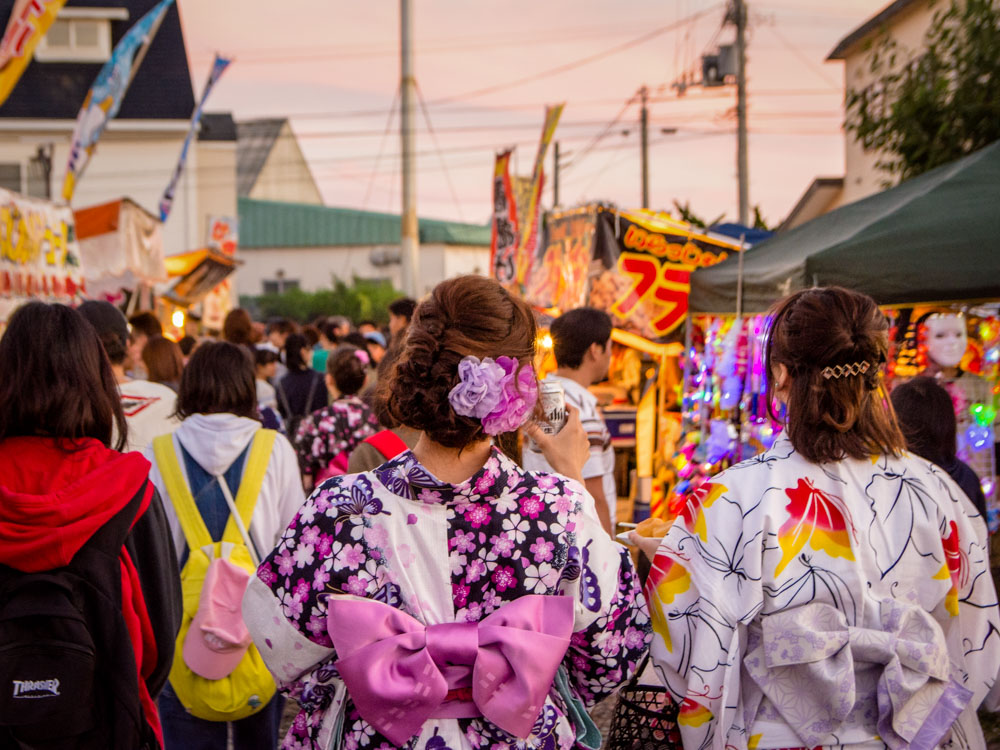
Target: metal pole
point(409, 235)
point(739, 278)
point(644, 132)
point(555, 174)
point(742, 170)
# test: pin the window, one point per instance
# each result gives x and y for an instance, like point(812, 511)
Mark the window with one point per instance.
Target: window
point(280, 286)
point(10, 177)
point(80, 35)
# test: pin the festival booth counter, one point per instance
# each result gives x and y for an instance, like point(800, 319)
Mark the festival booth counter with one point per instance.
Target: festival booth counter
point(39, 253)
point(925, 250)
point(636, 266)
point(122, 248)
point(200, 277)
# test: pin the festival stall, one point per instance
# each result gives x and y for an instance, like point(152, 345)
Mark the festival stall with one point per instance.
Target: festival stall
point(636, 266)
point(924, 250)
point(39, 253)
point(199, 275)
point(122, 248)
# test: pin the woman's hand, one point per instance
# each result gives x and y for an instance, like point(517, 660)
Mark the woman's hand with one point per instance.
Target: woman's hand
point(648, 544)
point(566, 451)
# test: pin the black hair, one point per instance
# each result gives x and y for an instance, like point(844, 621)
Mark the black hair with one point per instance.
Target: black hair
point(574, 332)
point(294, 345)
point(218, 379)
point(403, 307)
point(347, 369)
point(56, 380)
point(926, 416)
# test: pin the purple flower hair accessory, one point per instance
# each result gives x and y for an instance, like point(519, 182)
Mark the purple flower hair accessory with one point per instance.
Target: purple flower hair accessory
point(496, 392)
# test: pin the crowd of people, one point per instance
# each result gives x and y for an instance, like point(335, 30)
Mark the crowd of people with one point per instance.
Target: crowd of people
point(342, 523)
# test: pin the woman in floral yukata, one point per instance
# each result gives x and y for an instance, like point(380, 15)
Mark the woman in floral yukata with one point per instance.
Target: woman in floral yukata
point(833, 591)
point(326, 437)
point(449, 599)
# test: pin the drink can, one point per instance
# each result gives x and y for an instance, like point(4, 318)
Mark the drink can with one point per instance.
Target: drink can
point(553, 400)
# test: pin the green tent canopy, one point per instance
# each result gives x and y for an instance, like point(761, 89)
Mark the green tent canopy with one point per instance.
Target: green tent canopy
point(935, 238)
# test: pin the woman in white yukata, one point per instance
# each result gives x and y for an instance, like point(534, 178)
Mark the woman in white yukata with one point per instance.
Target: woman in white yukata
point(834, 591)
point(448, 599)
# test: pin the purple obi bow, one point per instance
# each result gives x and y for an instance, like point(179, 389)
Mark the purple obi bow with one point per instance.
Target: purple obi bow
point(807, 659)
point(399, 671)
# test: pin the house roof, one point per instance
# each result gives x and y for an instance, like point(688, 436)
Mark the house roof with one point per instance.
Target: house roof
point(161, 89)
point(217, 126)
point(873, 24)
point(273, 224)
point(255, 139)
point(814, 201)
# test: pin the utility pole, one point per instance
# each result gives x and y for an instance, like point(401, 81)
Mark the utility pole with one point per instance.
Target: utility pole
point(555, 174)
point(739, 11)
point(409, 235)
point(644, 135)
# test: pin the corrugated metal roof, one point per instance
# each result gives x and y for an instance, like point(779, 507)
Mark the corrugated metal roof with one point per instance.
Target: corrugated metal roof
point(255, 139)
point(276, 224)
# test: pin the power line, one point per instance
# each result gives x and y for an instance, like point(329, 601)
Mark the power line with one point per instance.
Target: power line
point(381, 145)
point(576, 63)
point(597, 139)
point(430, 129)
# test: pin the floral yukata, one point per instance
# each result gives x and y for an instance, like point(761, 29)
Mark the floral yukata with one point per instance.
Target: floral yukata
point(444, 553)
point(845, 604)
point(326, 437)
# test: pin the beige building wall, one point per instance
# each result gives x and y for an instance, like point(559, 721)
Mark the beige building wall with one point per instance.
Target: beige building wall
point(216, 183)
point(285, 175)
point(861, 175)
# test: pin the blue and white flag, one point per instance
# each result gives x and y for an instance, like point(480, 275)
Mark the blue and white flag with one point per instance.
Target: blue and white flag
point(218, 68)
point(107, 92)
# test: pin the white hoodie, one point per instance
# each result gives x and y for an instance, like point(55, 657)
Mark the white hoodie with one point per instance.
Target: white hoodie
point(215, 441)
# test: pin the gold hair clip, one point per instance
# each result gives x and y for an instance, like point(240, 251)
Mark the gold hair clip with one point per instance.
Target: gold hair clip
point(843, 371)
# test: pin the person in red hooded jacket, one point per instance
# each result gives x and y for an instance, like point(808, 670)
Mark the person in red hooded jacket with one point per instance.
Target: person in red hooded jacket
point(62, 482)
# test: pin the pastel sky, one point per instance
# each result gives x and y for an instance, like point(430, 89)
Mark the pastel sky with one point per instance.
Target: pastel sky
point(333, 67)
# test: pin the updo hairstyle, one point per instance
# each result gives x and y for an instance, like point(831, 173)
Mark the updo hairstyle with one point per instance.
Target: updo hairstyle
point(467, 315)
point(347, 370)
point(832, 418)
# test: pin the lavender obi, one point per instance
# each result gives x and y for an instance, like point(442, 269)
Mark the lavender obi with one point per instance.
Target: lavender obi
point(818, 671)
point(400, 672)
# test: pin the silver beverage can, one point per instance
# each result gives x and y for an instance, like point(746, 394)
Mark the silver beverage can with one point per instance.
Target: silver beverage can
point(553, 400)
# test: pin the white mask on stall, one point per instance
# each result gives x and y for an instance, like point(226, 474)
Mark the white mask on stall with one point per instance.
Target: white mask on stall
point(946, 339)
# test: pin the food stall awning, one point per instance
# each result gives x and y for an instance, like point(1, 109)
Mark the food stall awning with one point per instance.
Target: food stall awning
point(121, 245)
point(200, 271)
point(930, 239)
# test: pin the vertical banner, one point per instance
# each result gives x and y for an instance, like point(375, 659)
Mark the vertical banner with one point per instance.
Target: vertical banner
point(28, 23)
point(528, 242)
point(166, 202)
point(504, 239)
point(223, 234)
point(107, 92)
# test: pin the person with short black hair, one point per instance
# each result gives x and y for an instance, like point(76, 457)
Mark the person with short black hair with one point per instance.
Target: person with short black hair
point(927, 418)
point(149, 406)
point(803, 595)
point(325, 439)
point(143, 326)
point(400, 315)
point(187, 345)
point(581, 343)
point(301, 391)
point(64, 491)
point(218, 404)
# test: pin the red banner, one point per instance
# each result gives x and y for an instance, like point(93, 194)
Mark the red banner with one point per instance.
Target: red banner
point(504, 242)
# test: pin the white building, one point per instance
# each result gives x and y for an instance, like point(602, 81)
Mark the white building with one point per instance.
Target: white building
point(905, 22)
point(139, 149)
point(300, 246)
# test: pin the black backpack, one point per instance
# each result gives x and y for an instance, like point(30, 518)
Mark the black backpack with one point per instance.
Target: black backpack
point(67, 668)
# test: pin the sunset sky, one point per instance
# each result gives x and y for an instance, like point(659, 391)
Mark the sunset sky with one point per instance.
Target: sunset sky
point(333, 68)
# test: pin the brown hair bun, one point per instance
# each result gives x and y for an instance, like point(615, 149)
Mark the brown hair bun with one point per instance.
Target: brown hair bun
point(464, 316)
